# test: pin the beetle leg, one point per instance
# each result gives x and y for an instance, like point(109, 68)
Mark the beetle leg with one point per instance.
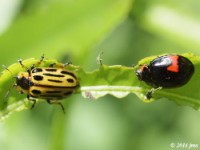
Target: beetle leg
point(150, 92)
point(61, 66)
point(58, 103)
point(33, 100)
point(52, 65)
point(67, 64)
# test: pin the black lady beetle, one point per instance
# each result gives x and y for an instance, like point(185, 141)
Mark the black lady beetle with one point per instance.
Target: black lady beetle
point(168, 71)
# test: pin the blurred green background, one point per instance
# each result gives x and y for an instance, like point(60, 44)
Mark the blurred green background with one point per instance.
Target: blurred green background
point(77, 30)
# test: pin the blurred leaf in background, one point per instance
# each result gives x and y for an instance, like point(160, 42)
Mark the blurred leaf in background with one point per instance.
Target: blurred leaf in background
point(125, 31)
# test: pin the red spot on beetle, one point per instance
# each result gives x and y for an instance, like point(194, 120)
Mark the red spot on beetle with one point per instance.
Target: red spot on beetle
point(174, 66)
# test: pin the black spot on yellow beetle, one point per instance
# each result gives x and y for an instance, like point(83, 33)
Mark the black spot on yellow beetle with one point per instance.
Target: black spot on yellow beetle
point(36, 92)
point(53, 75)
point(70, 80)
point(51, 69)
point(57, 81)
point(38, 77)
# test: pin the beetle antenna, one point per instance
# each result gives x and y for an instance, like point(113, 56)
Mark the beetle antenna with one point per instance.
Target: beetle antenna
point(9, 91)
point(23, 66)
point(4, 67)
point(41, 59)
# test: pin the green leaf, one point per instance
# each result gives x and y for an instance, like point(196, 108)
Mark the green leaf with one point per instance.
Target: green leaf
point(117, 80)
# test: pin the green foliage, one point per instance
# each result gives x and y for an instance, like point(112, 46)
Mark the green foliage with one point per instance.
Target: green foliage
point(57, 27)
point(126, 32)
point(117, 80)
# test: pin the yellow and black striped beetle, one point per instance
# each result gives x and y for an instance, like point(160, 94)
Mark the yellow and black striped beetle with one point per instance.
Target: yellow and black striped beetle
point(49, 83)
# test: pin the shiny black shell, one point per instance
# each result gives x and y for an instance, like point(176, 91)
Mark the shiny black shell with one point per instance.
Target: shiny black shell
point(168, 71)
